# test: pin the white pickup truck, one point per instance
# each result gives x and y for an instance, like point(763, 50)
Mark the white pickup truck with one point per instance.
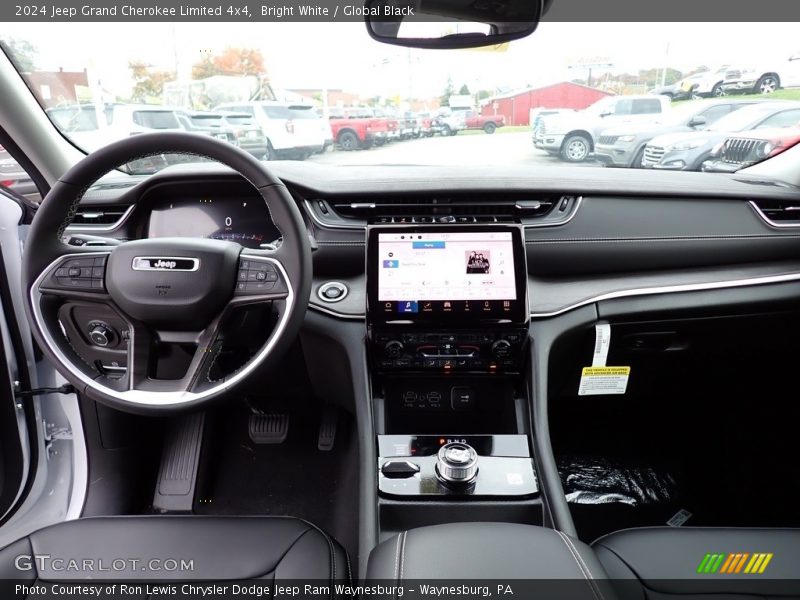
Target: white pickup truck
point(571, 134)
point(763, 79)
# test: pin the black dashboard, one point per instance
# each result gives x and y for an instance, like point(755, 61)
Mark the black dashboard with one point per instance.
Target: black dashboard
point(589, 234)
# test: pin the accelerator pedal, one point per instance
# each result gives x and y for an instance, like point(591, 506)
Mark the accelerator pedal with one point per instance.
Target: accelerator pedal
point(327, 429)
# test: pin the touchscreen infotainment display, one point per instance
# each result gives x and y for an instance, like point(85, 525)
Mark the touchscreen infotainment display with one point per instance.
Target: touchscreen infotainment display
point(447, 273)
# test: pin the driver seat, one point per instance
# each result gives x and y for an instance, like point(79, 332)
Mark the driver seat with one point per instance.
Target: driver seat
point(202, 548)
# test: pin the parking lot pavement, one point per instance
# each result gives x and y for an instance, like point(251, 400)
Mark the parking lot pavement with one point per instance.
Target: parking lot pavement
point(478, 149)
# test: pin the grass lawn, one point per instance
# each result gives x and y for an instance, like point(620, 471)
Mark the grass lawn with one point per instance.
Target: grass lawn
point(793, 94)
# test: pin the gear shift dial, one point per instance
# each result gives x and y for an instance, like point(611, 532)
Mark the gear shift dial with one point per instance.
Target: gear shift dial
point(457, 463)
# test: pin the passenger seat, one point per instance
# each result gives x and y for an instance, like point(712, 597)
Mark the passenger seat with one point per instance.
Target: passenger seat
point(695, 562)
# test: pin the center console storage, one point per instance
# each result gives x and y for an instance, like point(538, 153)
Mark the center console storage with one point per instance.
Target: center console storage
point(448, 344)
point(528, 561)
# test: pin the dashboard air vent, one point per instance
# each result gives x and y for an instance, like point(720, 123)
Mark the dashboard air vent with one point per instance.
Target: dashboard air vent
point(423, 210)
point(779, 213)
point(99, 215)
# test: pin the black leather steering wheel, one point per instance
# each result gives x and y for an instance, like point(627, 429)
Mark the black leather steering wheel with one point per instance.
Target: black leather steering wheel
point(164, 289)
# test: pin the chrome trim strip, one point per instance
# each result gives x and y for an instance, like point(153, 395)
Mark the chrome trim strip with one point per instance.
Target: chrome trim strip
point(673, 289)
point(312, 213)
point(337, 314)
point(87, 227)
point(769, 221)
point(159, 398)
point(570, 216)
point(137, 265)
point(668, 289)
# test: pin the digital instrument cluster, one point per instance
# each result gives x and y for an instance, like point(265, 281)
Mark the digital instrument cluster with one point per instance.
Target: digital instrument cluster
point(243, 220)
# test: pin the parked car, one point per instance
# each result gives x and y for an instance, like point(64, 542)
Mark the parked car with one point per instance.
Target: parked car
point(426, 124)
point(489, 123)
point(286, 136)
point(247, 134)
point(394, 128)
point(354, 129)
point(687, 151)
point(623, 146)
point(448, 122)
point(763, 79)
point(571, 134)
point(738, 152)
point(206, 123)
point(413, 123)
point(14, 177)
point(313, 129)
point(672, 91)
point(704, 85)
point(91, 127)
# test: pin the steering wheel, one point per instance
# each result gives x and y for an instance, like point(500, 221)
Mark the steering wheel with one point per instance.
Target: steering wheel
point(166, 289)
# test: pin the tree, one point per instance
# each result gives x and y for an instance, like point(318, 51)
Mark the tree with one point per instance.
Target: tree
point(22, 53)
point(464, 91)
point(232, 61)
point(449, 90)
point(148, 83)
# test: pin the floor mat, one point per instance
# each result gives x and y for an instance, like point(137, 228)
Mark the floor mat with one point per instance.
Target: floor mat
point(607, 495)
point(239, 477)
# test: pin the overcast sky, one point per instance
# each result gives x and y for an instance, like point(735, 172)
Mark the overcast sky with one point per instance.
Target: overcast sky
point(341, 55)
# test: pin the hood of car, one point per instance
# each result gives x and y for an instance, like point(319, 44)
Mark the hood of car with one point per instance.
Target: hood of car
point(776, 134)
point(687, 136)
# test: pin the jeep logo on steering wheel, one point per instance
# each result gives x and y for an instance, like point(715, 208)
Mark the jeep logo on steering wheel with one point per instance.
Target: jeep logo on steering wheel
point(164, 263)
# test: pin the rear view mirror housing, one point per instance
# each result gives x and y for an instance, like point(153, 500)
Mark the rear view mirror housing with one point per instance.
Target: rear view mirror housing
point(452, 24)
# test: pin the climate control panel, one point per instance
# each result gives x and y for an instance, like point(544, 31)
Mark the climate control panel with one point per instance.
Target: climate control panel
point(485, 351)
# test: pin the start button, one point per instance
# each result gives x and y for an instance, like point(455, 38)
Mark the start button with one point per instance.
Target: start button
point(332, 291)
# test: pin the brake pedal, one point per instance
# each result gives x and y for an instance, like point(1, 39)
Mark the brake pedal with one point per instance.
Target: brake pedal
point(327, 429)
point(268, 428)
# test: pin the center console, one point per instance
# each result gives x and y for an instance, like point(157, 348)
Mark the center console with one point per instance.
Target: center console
point(447, 337)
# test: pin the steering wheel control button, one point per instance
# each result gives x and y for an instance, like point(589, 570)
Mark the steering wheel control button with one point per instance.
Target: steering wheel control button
point(332, 291)
point(256, 277)
point(399, 469)
point(457, 463)
point(84, 274)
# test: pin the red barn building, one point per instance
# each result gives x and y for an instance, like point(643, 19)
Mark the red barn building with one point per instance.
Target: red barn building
point(516, 106)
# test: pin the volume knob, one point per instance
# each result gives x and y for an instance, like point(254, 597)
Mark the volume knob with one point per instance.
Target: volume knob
point(501, 349)
point(457, 463)
point(393, 349)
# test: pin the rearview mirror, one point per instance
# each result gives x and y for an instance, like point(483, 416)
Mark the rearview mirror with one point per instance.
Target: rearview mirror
point(697, 121)
point(451, 24)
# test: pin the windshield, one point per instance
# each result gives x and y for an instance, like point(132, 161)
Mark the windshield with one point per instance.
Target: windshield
point(743, 118)
point(328, 93)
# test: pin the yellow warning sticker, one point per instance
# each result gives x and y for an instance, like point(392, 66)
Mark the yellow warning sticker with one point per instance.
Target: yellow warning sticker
point(594, 371)
point(596, 381)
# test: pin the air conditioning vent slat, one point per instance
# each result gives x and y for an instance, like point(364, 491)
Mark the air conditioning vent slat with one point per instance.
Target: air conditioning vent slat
point(779, 213)
point(438, 210)
point(99, 215)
